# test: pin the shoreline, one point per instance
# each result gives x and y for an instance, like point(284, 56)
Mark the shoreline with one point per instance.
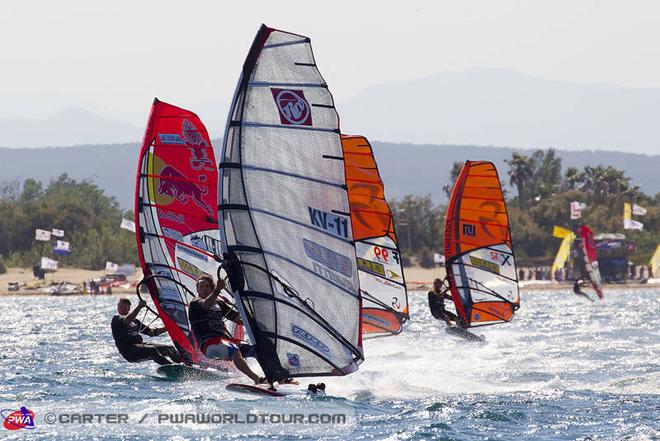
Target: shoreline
point(417, 279)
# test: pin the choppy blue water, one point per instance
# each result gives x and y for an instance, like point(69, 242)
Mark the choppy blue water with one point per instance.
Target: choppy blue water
point(564, 369)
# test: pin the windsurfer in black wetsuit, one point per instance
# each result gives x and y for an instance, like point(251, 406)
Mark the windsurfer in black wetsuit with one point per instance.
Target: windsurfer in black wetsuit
point(578, 291)
point(437, 297)
point(126, 330)
point(207, 314)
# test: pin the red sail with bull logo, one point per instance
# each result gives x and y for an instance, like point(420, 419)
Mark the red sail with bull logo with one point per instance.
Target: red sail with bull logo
point(176, 216)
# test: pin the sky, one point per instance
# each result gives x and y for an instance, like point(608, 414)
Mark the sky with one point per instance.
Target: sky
point(113, 57)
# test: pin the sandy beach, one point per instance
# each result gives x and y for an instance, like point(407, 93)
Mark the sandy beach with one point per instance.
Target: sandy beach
point(417, 278)
point(30, 285)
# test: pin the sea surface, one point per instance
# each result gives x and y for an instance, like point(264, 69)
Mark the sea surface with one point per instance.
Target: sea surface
point(564, 369)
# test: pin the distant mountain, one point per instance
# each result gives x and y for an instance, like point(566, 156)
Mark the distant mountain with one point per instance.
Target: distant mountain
point(71, 126)
point(405, 168)
point(507, 108)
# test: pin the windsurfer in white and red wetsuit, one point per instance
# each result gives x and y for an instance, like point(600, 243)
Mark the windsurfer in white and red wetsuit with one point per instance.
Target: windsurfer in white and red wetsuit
point(207, 314)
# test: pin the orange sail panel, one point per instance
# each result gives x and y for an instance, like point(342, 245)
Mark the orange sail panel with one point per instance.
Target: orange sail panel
point(384, 295)
point(480, 264)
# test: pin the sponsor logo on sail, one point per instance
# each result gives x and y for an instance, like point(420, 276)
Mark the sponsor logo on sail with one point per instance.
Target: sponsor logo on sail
point(173, 234)
point(190, 268)
point(329, 258)
point(333, 277)
point(170, 138)
point(371, 267)
point(375, 320)
point(292, 107)
point(185, 250)
point(484, 264)
point(469, 230)
point(174, 217)
point(191, 134)
point(293, 359)
point(199, 160)
point(305, 336)
point(175, 184)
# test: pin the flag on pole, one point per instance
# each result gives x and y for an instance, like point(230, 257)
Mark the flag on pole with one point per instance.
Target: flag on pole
point(48, 264)
point(576, 209)
point(128, 225)
point(629, 224)
point(560, 232)
point(638, 211)
point(57, 233)
point(62, 248)
point(43, 235)
point(111, 267)
point(627, 212)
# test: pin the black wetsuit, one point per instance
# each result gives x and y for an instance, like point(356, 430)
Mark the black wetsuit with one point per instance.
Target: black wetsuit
point(578, 291)
point(208, 325)
point(437, 306)
point(131, 346)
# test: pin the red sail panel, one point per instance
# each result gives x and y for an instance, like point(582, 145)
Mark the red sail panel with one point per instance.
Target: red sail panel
point(590, 254)
point(176, 215)
point(479, 256)
point(384, 294)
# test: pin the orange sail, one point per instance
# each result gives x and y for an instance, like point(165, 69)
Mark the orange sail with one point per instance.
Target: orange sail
point(385, 299)
point(480, 264)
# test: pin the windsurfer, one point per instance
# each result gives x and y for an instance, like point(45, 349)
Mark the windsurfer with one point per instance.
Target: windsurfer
point(437, 297)
point(207, 314)
point(126, 330)
point(578, 291)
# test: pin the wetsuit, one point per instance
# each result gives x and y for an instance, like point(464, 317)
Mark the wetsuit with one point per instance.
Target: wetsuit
point(209, 329)
point(131, 346)
point(437, 306)
point(578, 291)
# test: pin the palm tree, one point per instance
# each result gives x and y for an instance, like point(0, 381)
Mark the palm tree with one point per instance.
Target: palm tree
point(521, 171)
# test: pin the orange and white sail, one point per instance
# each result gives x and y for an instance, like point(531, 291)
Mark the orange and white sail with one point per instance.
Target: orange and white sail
point(480, 263)
point(384, 294)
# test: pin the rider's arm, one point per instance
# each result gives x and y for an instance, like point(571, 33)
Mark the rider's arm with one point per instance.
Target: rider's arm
point(128, 318)
point(230, 313)
point(153, 332)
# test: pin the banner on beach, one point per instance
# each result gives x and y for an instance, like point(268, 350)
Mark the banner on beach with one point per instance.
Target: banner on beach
point(111, 267)
point(48, 264)
point(43, 235)
point(576, 209)
point(127, 224)
point(638, 210)
point(62, 248)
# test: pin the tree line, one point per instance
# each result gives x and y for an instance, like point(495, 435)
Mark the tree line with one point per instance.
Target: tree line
point(543, 193)
point(537, 189)
point(90, 220)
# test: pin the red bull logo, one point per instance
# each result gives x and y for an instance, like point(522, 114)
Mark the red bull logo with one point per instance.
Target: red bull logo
point(199, 160)
point(175, 184)
point(292, 106)
point(18, 419)
point(191, 134)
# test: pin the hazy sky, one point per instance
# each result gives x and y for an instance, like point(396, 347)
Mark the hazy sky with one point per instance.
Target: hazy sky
point(113, 57)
